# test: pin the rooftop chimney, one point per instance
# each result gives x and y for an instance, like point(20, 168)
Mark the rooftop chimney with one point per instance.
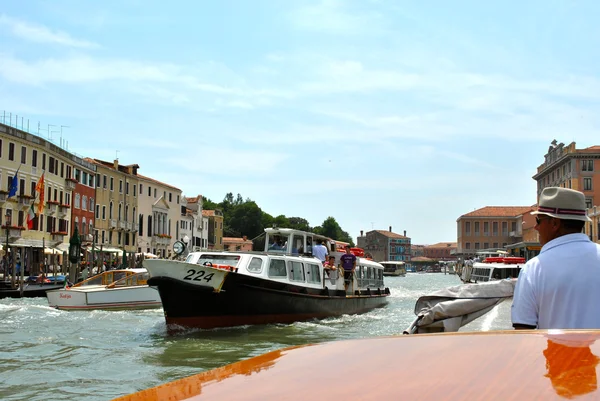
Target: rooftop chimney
point(390, 228)
point(245, 237)
point(361, 233)
point(405, 233)
point(116, 164)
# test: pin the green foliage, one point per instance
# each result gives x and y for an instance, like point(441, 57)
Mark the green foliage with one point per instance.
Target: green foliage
point(245, 217)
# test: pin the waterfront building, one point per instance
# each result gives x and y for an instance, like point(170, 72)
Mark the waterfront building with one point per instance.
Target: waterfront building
point(200, 231)
point(491, 227)
point(235, 244)
point(569, 167)
point(116, 206)
point(445, 251)
point(159, 215)
point(592, 229)
point(28, 156)
point(215, 229)
point(82, 180)
point(186, 225)
point(385, 245)
point(417, 251)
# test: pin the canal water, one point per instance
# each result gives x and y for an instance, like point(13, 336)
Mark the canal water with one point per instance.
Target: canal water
point(47, 354)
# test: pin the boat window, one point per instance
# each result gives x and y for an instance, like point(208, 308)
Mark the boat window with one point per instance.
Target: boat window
point(277, 268)
point(278, 242)
point(313, 272)
point(296, 271)
point(255, 265)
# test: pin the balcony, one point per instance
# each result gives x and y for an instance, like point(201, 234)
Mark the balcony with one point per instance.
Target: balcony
point(63, 209)
point(14, 232)
point(113, 224)
point(515, 234)
point(128, 225)
point(199, 228)
point(70, 184)
point(134, 227)
point(58, 235)
point(52, 206)
point(122, 225)
point(25, 200)
point(3, 196)
point(161, 239)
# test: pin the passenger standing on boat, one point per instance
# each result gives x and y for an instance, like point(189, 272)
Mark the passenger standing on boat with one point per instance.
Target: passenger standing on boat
point(348, 261)
point(560, 288)
point(320, 251)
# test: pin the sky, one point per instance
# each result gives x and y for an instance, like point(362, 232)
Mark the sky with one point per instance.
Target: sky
point(378, 113)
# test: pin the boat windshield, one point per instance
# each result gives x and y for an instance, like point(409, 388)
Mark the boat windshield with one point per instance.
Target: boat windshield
point(208, 260)
point(132, 280)
point(105, 278)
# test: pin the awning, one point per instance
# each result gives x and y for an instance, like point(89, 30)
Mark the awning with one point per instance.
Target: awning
point(33, 243)
point(106, 249)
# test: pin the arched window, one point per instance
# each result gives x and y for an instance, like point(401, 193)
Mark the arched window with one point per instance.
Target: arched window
point(77, 199)
point(77, 224)
point(91, 204)
point(126, 212)
point(84, 203)
point(83, 226)
point(120, 210)
point(110, 211)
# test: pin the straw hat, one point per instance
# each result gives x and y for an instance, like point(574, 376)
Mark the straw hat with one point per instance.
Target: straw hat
point(562, 203)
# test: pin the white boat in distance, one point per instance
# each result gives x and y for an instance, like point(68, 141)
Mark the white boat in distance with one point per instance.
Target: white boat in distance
point(498, 265)
point(110, 290)
point(393, 268)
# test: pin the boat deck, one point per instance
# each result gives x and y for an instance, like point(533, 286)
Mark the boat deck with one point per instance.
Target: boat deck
point(506, 365)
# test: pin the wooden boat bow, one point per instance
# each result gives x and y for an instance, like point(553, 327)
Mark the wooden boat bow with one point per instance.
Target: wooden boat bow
point(503, 365)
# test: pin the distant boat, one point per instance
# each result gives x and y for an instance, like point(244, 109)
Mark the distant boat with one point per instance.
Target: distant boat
point(393, 268)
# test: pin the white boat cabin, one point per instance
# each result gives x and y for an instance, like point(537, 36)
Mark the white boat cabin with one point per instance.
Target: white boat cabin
point(287, 258)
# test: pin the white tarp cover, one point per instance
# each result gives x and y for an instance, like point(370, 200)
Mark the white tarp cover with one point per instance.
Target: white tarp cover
point(453, 307)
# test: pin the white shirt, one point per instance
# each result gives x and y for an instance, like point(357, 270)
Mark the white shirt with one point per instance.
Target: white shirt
point(320, 252)
point(560, 288)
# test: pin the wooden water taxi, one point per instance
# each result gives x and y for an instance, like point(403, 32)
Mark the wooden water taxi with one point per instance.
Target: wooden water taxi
point(501, 365)
point(110, 290)
point(283, 283)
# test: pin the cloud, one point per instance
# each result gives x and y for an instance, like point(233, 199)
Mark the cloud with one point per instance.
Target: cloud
point(333, 17)
point(41, 34)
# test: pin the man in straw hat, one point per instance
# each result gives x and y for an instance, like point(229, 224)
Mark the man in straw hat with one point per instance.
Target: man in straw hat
point(560, 288)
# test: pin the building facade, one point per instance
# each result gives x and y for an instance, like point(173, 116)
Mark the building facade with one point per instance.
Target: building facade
point(29, 156)
point(445, 251)
point(200, 237)
point(215, 229)
point(491, 227)
point(159, 215)
point(83, 181)
point(234, 244)
point(385, 245)
point(116, 205)
point(569, 167)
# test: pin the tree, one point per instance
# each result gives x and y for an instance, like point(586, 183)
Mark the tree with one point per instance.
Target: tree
point(246, 219)
point(207, 204)
point(299, 223)
point(330, 228)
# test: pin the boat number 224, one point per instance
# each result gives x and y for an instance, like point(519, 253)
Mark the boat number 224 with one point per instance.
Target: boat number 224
point(198, 275)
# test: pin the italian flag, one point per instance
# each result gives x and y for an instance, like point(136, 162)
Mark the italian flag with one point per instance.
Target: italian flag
point(30, 216)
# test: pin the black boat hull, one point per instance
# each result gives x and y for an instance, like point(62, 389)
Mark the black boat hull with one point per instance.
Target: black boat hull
point(245, 300)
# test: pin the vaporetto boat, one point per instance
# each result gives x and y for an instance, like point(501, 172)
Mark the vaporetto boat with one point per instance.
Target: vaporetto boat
point(280, 284)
